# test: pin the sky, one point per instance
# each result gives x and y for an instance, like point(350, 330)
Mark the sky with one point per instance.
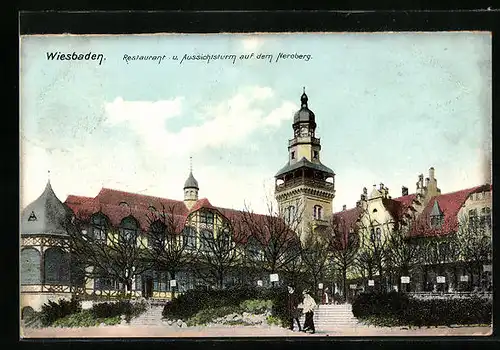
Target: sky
point(388, 107)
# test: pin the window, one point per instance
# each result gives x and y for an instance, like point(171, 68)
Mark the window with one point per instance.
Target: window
point(372, 235)
point(436, 221)
point(317, 212)
point(374, 210)
point(252, 249)
point(315, 154)
point(156, 235)
point(485, 218)
point(473, 219)
point(206, 238)
point(98, 227)
point(189, 238)
point(378, 233)
point(206, 217)
point(293, 154)
point(128, 229)
point(123, 204)
point(290, 214)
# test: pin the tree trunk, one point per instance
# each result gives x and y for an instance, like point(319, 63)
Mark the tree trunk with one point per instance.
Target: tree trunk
point(344, 283)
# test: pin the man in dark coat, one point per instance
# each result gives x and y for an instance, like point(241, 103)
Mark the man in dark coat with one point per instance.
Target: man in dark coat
point(293, 311)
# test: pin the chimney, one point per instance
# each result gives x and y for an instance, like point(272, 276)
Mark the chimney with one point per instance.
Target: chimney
point(404, 191)
point(427, 180)
point(344, 207)
point(381, 186)
point(431, 173)
point(358, 204)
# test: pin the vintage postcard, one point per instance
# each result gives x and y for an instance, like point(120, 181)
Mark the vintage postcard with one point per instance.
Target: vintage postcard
point(225, 185)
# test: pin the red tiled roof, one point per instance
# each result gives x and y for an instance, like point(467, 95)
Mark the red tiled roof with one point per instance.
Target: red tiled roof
point(348, 218)
point(139, 206)
point(450, 204)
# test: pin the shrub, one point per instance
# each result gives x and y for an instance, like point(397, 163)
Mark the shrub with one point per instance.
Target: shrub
point(395, 309)
point(256, 306)
point(53, 311)
point(85, 319)
point(122, 307)
point(192, 302)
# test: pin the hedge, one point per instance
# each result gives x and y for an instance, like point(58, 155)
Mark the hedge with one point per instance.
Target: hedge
point(194, 302)
point(397, 309)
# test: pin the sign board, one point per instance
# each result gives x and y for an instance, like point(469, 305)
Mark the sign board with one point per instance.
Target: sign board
point(259, 283)
point(173, 283)
point(353, 286)
point(487, 268)
point(371, 283)
point(274, 277)
point(320, 286)
point(405, 279)
point(441, 279)
point(464, 278)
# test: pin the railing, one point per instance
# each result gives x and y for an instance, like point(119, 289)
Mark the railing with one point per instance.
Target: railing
point(306, 139)
point(305, 182)
point(450, 295)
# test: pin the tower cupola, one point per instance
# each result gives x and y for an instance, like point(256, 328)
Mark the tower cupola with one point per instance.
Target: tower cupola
point(190, 188)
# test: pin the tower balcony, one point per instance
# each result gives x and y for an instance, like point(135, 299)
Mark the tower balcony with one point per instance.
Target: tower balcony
point(304, 139)
point(307, 182)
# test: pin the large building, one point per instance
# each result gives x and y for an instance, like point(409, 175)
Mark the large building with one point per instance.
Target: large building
point(304, 190)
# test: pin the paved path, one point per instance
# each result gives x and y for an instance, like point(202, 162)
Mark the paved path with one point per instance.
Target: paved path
point(248, 331)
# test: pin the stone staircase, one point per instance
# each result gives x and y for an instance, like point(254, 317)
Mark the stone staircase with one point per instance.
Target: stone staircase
point(152, 317)
point(330, 317)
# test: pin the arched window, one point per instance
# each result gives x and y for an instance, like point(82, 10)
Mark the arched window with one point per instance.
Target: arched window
point(98, 227)
point(318, 212)
point(30, 266)
point(290, 214)
point(156, 234)
point(378, 233)
point(56, 266)
point(128, 229)
point(189, 238)
point(206, 240)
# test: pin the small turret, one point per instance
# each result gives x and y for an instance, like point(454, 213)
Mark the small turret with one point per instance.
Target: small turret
point(191, 188)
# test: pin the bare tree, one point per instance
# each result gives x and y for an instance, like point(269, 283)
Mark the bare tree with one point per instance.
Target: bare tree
point(372, 246)
point(276, 236)
point(474, 243)
point(106, 252)
point(170, 244)
point(217, 256)
point(402, 252)
point(344, 246)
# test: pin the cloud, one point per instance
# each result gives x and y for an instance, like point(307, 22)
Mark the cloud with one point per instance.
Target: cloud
point(227, 123)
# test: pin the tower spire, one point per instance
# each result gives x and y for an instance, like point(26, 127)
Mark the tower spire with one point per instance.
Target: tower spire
point(48, 176)
point(190, 164)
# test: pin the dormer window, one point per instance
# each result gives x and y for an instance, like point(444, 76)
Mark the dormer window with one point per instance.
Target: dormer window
point(32, 216)
point(436, 216)
point(152, 209)
point(123, 204)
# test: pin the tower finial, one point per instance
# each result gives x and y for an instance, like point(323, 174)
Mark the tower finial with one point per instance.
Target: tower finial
point(48, 176)
point(190, 164)
point(304, 89)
